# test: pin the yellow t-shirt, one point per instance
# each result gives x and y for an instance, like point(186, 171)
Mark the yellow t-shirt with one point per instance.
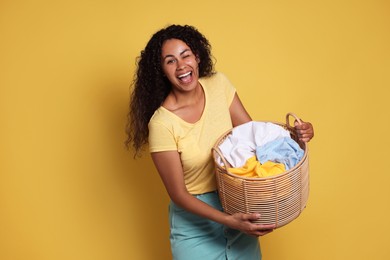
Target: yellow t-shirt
point(168, 132)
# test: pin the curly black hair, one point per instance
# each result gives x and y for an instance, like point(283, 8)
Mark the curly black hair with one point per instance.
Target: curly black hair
point(151, 87)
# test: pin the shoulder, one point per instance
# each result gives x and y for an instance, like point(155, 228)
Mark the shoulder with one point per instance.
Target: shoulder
point(217, 77)
point(160, 116)
point(217, 81)
point(164, 120)
point(218, 84)
point(160, 124)
point(161, 132)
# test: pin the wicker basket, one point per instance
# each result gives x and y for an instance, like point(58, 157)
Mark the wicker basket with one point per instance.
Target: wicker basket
point(279, 199)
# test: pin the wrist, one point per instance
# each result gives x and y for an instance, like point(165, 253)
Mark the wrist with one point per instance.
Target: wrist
point(226, 220)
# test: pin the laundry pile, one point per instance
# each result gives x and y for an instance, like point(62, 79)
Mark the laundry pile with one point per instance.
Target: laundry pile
point(260, 149)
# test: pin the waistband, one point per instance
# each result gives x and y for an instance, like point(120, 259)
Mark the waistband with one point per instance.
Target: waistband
point(205, 194)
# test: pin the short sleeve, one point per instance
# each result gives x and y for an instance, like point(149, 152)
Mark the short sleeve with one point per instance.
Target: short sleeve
point(230, 90)
point(161, 138)
point(221, 86)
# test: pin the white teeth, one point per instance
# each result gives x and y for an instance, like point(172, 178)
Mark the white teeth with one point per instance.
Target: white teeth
point(184, 75)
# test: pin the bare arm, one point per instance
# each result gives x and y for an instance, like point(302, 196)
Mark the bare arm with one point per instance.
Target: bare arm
point(238, 112)
point(169, 167)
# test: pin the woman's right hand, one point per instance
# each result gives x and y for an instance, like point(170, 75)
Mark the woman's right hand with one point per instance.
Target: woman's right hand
point(244, 223)
point(169, 167)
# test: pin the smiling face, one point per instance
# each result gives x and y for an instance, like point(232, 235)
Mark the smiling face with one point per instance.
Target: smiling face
point(180, 65)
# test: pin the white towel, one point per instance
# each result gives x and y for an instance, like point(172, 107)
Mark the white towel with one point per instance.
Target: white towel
point(241, 144)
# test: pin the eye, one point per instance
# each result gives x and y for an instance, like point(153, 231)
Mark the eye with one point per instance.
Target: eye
point(170, 61)
point(186, 54)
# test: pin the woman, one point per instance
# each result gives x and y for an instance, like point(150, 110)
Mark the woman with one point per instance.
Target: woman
point(180, 106)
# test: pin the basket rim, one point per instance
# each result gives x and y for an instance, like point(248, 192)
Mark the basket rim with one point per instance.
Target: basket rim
point(216, 152)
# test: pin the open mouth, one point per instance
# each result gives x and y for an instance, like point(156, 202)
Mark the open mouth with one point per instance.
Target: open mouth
point(186, 77)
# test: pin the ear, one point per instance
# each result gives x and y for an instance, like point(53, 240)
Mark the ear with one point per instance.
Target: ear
point(197, 59)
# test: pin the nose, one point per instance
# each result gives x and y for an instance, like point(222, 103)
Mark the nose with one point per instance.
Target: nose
point(180, 64)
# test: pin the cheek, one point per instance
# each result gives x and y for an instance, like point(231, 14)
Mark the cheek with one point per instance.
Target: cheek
point(196, 66)
point(170, 75)
point(166, 70)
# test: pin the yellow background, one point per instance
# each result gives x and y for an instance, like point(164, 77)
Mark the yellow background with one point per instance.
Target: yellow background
point(69, 189)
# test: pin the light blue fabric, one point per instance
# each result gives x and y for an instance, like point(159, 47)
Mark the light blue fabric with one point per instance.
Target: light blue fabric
point(196, 238)
point(282, 150)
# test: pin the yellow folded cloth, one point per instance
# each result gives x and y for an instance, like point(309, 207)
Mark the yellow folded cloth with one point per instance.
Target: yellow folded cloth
point(254, 168)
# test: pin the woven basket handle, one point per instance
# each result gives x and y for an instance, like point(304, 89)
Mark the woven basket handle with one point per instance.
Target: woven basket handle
point(296, 118)
point(225, 163)
point(288, 119)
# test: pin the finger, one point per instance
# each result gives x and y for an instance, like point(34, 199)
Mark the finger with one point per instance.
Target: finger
point(266, 227)
point(305, 138)
point(303, 126)
point(298, 123)
point(305, 135)
point(251, 216)
point(304, 131)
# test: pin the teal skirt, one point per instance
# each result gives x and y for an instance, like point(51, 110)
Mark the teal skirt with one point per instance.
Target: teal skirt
point(196, 238)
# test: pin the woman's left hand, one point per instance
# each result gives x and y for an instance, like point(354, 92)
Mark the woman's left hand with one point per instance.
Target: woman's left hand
point(305, 131)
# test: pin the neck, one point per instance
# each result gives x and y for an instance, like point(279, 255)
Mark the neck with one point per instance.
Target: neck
point(181, 98)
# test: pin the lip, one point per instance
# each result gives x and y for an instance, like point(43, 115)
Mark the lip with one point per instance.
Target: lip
point(184, 74)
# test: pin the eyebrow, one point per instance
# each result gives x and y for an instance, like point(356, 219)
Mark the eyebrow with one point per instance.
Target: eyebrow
point(181, 53)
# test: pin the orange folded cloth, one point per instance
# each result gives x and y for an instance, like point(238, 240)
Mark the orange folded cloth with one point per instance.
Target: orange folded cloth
point(254, 168)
